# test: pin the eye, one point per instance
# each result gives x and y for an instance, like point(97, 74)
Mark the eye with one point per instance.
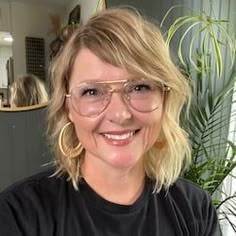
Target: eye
point(91, 91)
point(142, 87)
point(139, 87)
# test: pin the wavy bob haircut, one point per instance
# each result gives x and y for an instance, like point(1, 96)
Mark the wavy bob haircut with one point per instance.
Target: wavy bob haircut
point(27, 90)
point(125, 39)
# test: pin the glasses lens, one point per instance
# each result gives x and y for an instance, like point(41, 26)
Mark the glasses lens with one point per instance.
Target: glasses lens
point(90, 99)
point(144, 95)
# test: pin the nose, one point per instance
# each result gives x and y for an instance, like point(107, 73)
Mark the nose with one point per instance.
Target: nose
point(118, 111)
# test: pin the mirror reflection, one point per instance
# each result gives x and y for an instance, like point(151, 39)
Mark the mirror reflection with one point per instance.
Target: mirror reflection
point(27, 90)
point(38, 29)
point(6, 66)
point(32, 29)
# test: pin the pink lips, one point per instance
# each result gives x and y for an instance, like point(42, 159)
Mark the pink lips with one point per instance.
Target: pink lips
point(119, 138)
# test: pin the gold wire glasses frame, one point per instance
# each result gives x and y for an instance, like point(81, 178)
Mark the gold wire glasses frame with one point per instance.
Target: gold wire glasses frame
point(91, 98)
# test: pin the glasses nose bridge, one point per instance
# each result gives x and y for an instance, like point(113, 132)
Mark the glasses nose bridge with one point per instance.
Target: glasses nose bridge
point(120, 90)
point(115, 90)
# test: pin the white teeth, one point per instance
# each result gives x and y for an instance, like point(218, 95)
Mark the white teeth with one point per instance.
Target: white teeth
point(119, 137)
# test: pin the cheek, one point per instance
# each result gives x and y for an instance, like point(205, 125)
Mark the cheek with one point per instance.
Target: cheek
point(153, 125)
point(84, 127)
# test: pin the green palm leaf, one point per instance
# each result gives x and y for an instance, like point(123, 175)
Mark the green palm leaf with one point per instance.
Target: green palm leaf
point(213, 156)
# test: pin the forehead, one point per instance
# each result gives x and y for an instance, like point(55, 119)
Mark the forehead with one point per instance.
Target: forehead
point(88, 66)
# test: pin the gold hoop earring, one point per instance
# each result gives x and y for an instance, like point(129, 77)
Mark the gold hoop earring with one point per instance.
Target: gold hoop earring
point(68, 151)
point(160, 145)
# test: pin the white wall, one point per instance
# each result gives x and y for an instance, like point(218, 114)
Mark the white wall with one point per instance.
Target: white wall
point(5, 54)
point(33, 21)
point(5, 17)
point(88, 8)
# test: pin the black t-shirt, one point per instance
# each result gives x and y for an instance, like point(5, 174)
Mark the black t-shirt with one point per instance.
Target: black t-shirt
point(49, 206)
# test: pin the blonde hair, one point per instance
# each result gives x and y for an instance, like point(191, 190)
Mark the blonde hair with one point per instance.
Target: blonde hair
point(123, 38)
point(27, 90)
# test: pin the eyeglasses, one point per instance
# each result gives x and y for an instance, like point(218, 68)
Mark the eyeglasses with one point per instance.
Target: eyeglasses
point(92, 98)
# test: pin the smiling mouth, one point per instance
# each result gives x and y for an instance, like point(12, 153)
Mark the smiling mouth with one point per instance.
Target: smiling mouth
point(123, 136)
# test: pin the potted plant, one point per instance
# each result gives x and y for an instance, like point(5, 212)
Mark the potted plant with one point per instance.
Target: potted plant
point(202, 61)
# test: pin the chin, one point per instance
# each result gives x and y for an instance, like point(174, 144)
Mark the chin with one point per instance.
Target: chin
point(124, 161)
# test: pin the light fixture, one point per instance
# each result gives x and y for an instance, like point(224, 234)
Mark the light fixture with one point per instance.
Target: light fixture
point(8, 38)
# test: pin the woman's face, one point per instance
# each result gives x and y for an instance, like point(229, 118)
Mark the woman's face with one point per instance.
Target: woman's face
point(119, 136)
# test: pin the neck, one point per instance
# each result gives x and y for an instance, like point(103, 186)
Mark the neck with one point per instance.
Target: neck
point(120, 186)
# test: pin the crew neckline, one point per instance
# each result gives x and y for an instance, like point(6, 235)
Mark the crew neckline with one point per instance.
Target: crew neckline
point(94, 200)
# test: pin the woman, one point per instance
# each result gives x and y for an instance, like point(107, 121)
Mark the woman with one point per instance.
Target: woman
point(27, 90)
point(114, 128)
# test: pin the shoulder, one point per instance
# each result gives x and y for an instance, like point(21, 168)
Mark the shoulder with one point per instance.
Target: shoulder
point(185, 189)
point(191, 207)
point(39, 185)
point(184, 195)
point(32, 204)
point(188, 197)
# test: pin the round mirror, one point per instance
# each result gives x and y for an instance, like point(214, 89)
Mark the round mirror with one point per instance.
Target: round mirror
point(26, 108)
point(25, 91)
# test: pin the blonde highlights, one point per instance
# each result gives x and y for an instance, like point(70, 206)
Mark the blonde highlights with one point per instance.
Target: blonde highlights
point(27, 90)
point(123, 38)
